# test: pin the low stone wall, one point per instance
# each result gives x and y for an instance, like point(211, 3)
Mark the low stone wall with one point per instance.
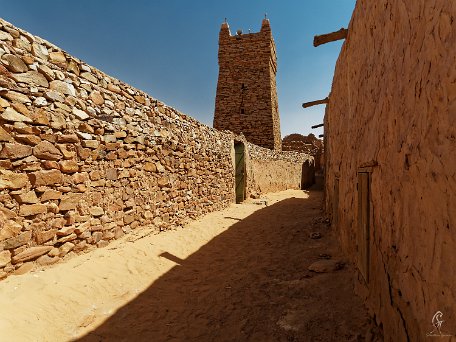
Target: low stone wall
point(85, 158)
point(391, 114)
point(270, 171)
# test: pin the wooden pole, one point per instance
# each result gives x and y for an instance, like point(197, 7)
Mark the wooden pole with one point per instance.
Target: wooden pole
point(321, 136)
point(319, 125)
point(314, 103)
point(330, 37)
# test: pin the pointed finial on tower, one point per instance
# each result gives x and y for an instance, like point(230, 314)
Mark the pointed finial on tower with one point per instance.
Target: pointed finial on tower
point(265, 24)
point(224, 30)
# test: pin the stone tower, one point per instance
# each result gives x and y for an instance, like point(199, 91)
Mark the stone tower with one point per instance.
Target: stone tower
point(246, 99)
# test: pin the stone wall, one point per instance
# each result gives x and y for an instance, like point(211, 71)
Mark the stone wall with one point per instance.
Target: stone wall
point(392, 112)
point(85, 158)
point(246, 100)
point(309, 144)
point(270, 171)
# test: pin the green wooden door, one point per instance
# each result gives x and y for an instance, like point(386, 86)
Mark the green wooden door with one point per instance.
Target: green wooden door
point(240, 172)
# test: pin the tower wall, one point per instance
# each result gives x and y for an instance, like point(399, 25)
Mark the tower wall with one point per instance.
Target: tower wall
point(246, 100)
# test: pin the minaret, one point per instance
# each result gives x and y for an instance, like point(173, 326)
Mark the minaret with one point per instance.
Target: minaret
point(246, 99)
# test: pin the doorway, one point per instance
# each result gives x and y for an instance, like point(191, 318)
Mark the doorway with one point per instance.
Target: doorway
point(307, 175)
point(335, 212)
point(239, 161)
point(364, 179)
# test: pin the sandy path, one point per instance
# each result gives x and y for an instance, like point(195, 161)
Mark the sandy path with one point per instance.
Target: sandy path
point(235, 275)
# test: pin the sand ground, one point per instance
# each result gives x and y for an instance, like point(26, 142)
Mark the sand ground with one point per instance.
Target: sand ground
point(240, 274)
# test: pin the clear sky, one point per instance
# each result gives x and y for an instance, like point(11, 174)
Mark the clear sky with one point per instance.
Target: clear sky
point(169, 48)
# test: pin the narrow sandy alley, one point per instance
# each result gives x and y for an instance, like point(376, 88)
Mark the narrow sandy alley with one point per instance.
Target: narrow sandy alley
point(240, 274)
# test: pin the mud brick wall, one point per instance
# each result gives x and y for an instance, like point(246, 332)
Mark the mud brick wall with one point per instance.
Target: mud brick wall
point(246, 100)
point(393, 108)
point(86, 158)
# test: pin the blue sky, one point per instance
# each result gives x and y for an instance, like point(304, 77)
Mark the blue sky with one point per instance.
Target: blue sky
point(169, 48)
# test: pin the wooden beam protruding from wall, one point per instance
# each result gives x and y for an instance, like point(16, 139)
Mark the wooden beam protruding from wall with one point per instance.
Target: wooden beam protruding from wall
point(319, 125)
point(330, 37)
point(314, 103)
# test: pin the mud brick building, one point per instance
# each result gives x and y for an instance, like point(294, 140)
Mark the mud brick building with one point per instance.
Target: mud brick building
point(390, 162)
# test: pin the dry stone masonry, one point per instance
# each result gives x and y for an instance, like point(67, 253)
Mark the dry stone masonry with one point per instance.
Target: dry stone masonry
point(305, 144)
point(85, 158)
point(246, 100)
point(270, 171)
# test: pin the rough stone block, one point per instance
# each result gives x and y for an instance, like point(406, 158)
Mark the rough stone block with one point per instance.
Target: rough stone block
point(4, 135)
point(30, 254)
point(65, 231)
point(5, 258)
point(80, 114)
point(32, 78)
point(32, 209)
point(62, 87)
point(26, 198)
point(43, 236)
point(14, 63)
point(24, 268)
point(46, 260)
point(96, 211)
point(69, 166)
point(9, 229)
point(28, 139)
point(50, 195)
point(18, 241)
point(57, 57)
point(46, 150)
point(68, 138)
point(15, 151)
point(111, 174)
point(12, 180)
point(70, 201)
point(66, 248)
point(9, 114)
point(50, 177)
point(67, 238)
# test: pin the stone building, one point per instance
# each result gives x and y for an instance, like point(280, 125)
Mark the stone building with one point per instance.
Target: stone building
point(390, 162)
point(246, 100)
point(309, 144)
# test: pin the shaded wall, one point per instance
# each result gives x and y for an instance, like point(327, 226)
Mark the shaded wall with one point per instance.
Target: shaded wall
point(392, 110)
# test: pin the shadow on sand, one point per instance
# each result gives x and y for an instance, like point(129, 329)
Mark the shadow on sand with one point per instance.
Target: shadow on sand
point(249, 283)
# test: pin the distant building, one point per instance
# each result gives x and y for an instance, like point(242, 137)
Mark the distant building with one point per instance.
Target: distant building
point(309, 144)
point(246, 100)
